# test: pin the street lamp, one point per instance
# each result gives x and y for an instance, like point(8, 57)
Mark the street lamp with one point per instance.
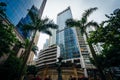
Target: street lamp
point(59, 63)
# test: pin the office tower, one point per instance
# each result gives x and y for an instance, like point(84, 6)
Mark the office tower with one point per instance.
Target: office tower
point(66, 37)
point(72, 43)
point(52, 39)
point(16, 9)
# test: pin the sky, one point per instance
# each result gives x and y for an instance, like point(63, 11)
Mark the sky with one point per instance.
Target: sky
point(53, 7)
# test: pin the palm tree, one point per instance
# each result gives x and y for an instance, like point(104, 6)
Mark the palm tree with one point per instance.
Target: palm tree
point(83, 24)
point(37, 24)
point(25, 46)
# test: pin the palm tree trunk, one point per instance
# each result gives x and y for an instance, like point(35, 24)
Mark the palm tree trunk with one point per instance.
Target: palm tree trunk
point(95, 59)
point(27, 53)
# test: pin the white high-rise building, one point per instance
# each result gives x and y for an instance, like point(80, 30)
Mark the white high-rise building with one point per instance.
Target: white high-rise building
point(52, 39)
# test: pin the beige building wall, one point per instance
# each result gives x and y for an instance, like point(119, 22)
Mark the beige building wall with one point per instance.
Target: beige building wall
point(5, 56)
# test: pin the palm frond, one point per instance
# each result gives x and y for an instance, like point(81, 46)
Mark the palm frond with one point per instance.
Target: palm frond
point(45, 20)
point(72, 23)
point(3, 4)
point(50, 25)
point(89, 11)
point(27, 42)
point(102, 23)
point(82, 30)
point(27, 27)
point(92, 23)
point(47, 32)
point(35, 49)
point(33, 16)
point(2, 9)
point(83, 21)
point(107, 16)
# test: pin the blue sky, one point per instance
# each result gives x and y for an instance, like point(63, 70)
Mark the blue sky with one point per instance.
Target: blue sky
point(53, 7)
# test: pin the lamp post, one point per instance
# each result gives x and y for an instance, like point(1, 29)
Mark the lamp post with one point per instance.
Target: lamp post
point(59, 63)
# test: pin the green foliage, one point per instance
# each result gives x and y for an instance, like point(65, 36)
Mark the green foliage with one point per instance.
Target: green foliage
point(83, 23)
point(41, 25)
point(109, 35)
point(35, 49)
point(7, 38)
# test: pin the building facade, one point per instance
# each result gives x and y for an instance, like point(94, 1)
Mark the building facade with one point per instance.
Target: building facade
point(26, 20)
point(66, 37)
point(16, 9)
point(19, 12)
point(72, 48)
point(48, 56)
point(46, 45)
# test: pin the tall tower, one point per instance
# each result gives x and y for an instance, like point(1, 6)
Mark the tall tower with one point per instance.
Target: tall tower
point(66, 37)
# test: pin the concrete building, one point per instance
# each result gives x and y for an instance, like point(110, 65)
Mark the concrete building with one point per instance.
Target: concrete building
point(47, 64)
point(46, 45)
point(85, 52)
point(48, 56)
point(18, 36)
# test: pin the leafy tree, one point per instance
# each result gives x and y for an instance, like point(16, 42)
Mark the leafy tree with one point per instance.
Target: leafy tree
point(41, 25)
point(17, 47)
point(83, 24)
point(7, 38)
point(109, 36)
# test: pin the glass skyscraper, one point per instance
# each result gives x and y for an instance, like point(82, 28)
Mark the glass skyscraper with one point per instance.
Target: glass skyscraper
point(66, 37)
point(16, 9)
point(26, 20)
point(17, 13)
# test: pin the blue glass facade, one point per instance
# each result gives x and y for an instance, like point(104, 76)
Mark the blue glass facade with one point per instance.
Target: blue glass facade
point(16, 9)
point(26, 20)
point(66, 37)
point(17, 13)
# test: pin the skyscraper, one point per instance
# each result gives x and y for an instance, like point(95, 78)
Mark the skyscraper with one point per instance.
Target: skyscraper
point(66, 37)
point(16, 9)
